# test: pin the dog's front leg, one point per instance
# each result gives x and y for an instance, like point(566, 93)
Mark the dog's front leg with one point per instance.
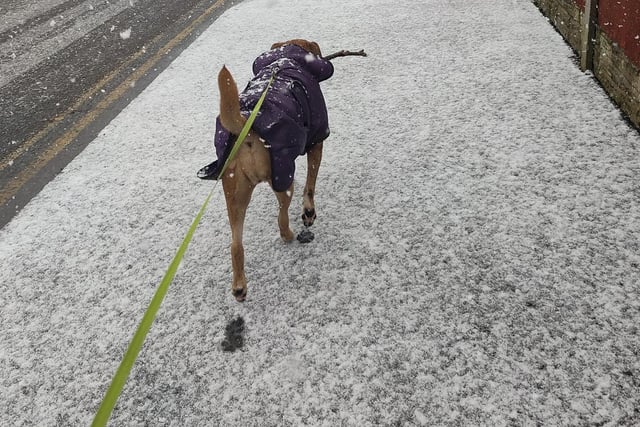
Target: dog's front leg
point(237, 191)
point(284, 201)
point(314, 157)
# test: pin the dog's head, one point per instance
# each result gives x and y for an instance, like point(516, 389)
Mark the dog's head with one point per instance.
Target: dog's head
point(305, 44)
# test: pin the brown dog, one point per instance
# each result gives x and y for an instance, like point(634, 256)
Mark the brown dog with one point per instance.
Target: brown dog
point(295, 64)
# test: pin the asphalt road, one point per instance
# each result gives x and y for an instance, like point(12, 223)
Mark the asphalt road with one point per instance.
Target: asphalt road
point(67, 67)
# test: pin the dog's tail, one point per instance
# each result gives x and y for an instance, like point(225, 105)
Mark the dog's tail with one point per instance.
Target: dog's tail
point(230, 116)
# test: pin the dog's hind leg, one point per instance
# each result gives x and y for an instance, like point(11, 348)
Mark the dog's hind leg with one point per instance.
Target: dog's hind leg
point(314, 157)
point(284, 201)
point(237, 191)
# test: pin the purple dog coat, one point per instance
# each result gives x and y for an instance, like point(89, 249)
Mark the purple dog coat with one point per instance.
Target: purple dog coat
point(293, 116)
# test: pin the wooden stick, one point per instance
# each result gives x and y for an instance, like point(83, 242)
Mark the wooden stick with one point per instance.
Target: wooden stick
point(361, 52)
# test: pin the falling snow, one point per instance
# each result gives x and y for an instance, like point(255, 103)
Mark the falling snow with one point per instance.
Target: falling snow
point(475, 262)
point(126, 34)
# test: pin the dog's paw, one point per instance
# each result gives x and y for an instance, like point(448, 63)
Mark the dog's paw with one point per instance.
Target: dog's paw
point(287, 237)
point(308, 217)
point(240, 294)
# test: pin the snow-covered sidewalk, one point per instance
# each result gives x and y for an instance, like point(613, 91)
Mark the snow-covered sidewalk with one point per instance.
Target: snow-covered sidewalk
point(477, 251)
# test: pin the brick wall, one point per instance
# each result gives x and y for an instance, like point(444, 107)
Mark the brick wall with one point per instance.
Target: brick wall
point(565, 16)
point(616, 59)
point(618, 75)
point(620, 20)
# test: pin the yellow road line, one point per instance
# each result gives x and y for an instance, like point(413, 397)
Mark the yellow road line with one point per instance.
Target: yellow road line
point(12, 188)
point(84, 98)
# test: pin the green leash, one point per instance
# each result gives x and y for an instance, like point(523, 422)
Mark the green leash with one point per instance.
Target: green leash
point(122, 374)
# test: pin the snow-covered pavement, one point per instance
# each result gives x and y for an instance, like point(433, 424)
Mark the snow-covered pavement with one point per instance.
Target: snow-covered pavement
point(477, 251)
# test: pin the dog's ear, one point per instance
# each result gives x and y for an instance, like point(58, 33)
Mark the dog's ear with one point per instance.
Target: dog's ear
point(307, 45)
point(230, 116)
point(315, 49)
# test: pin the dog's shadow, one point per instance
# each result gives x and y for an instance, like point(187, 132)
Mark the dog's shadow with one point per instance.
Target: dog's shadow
point(234, 335)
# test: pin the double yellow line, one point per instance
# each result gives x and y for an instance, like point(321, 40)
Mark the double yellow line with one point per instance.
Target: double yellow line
point(33, 168)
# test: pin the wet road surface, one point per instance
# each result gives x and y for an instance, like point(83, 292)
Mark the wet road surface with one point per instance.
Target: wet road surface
point(68, 67)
